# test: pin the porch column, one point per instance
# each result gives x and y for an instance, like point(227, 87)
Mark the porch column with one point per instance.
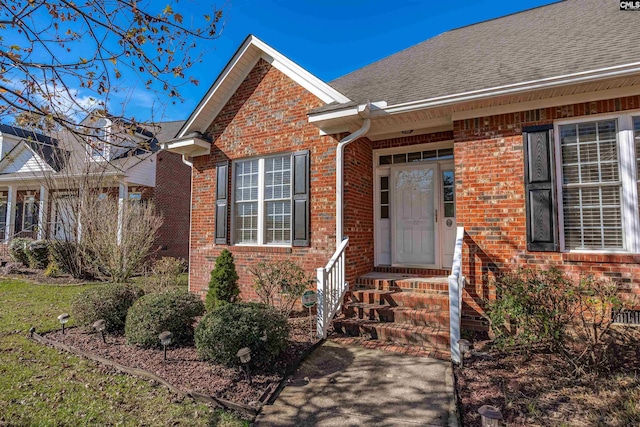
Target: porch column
point(12, 195)
point(42, 212)
point(123, 195)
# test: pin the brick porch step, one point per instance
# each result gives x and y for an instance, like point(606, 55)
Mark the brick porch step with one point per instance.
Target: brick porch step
point(403, 283)
point(403, 315)
point(417, 300)
point(436, 337)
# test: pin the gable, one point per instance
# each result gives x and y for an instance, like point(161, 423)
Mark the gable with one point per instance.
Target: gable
point(243, 62)
point(23, 160)
point(268, 108)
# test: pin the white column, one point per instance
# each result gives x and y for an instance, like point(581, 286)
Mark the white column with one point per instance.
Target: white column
point(42, 212)
point(12, 195)
point(123, 195)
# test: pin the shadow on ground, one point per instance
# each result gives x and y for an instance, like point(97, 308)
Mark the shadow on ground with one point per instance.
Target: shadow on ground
point(353, 386)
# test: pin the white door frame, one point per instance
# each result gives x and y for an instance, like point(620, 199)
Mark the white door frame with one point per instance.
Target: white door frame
point(385, 170)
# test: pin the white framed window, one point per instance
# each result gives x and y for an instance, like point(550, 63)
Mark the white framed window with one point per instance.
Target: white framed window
point(262, 201)
point(598, 168)
point(29, 213)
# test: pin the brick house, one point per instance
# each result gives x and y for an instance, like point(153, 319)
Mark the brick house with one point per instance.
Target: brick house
point(507, 143)
point(38, 185)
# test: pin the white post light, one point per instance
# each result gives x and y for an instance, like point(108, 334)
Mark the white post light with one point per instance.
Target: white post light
point(490, 415)
point(63, 318)
point(244, 354)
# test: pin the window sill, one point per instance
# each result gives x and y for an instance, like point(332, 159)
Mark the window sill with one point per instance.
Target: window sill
point(605, 258)
point(262, 249)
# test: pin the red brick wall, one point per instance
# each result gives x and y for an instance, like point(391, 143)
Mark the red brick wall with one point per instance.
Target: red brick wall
point(489, 162)
point(266, 115)
point(172, 198)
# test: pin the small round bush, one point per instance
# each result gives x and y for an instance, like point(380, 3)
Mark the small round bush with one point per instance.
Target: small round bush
point(71, 258)
point(174, 311)
point(38, 254)
point(109, 302)
point(230, 327)
point(18, 249)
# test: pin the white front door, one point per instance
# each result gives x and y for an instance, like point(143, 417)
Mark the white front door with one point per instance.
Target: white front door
point(413, 230)
point(65, 227)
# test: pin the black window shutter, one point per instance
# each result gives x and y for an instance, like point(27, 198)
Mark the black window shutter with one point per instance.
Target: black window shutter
point(540, 192)
point(300, 215)
point(222, 202)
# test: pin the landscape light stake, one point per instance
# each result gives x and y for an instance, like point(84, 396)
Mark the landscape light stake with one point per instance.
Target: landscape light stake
point(490, 415)
point(165, 340)
point(63, 318)
point(244, 354)
point(100, 326)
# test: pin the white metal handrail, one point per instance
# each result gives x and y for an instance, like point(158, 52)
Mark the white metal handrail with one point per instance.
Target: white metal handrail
point(456, 285)
point(332, 286)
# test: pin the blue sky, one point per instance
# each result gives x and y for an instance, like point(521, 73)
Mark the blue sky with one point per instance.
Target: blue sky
point(329, 38)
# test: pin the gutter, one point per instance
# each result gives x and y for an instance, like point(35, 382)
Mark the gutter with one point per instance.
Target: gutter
point(549, 82)
point(363, 111)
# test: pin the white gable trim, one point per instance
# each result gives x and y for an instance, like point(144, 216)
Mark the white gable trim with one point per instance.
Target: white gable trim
point(247, 56)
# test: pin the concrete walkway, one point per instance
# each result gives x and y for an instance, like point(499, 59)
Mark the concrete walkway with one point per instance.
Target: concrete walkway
point(353, 386)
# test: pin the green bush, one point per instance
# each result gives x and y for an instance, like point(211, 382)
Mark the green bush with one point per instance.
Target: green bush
point(72, 258)
point(38, 254)
point(223, 286)
point(230, 327)
point(18, 249)
point(174, 311)
point(109, 302)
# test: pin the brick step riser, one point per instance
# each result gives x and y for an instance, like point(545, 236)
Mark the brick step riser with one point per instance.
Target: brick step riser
point(402, 286)
point(379, 332)
point(384, 314)
point(433, 302)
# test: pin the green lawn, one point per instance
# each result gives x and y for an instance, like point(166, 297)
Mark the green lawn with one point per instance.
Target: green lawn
point(42, 386)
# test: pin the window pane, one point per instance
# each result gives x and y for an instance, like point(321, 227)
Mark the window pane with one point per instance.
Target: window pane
point(446, 153)
point(277, 178)
point(430, 155)
point(246, 181)
point(591, 186)
point(400, 158)
point(246, 222)
point(414, 157)
point(385, 160)
point(384, 182)
point(384, 212)
point(278, 222)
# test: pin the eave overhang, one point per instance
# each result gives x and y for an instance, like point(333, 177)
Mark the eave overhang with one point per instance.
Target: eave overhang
point(188, 146)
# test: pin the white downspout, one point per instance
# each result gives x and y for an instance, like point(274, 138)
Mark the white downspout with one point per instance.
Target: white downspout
point(187, 162)
point(363, 111)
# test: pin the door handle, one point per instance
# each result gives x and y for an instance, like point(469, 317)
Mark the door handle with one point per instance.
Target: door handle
point(436, 215)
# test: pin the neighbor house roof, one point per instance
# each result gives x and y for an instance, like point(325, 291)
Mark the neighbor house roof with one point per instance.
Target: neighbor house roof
point(565, 38)
point(45, 146)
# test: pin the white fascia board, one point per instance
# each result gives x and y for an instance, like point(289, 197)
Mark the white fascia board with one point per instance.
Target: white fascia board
point(253, 49)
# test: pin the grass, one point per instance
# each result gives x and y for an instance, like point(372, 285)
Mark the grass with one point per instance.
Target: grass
point(42, 386)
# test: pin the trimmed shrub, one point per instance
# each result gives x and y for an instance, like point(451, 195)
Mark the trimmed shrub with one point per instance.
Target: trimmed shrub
point(109, 302)
point(71, 258)
point(38, 254)
point(230, 327)
point(18, 249)
point(174, 311)
point(223, 286)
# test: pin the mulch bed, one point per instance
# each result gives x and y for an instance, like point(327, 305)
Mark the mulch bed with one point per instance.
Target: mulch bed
point(543, 390)
point(37, 276)
point(185, 371)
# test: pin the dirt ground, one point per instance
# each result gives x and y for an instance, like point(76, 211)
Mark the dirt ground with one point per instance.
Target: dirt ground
point(542, 389)
point(184, 370)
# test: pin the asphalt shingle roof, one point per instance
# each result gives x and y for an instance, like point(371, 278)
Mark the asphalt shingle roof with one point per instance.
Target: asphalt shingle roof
point(562, 38)
point(44, 145)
